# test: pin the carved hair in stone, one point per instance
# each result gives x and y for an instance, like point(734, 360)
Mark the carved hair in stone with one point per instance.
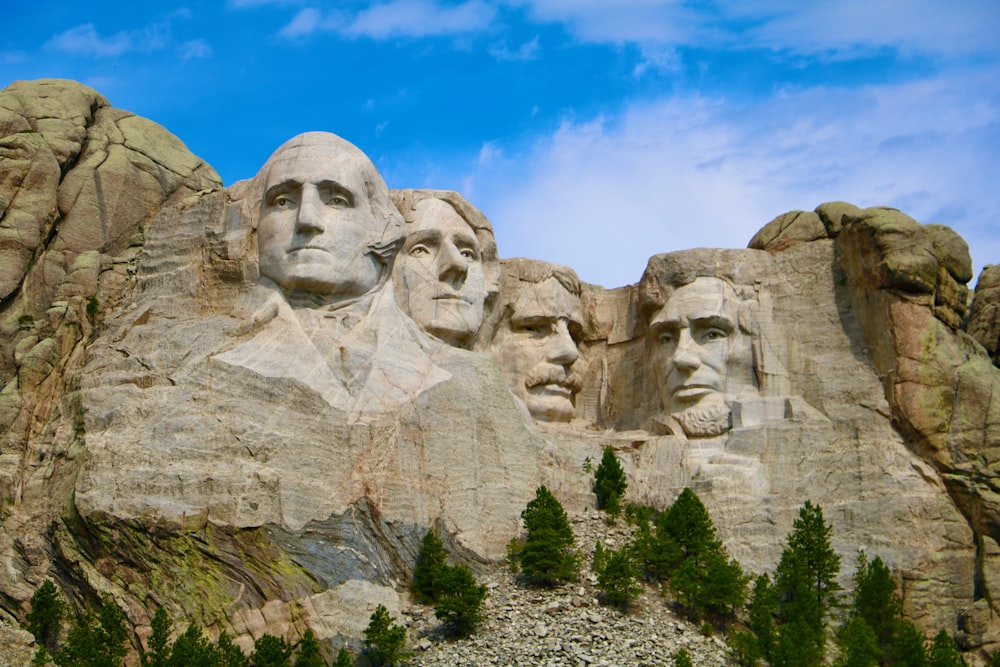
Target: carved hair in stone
point(447, 269)
point(327, 229)
point(702, 337)
point(536, 339)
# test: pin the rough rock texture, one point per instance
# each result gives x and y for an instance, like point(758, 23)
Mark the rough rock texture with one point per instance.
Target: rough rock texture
point(78, 180)
point(171, 437)
point(984, 314)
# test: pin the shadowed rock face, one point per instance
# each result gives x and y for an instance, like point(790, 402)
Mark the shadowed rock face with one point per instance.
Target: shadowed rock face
point(192, 421)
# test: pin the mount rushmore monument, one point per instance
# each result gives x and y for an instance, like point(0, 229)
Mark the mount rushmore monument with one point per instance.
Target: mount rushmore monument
point(248, 403)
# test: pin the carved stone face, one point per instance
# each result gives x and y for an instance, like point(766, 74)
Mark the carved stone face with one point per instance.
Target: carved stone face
point(697, 341)
point(538, 348)
point(439, 273)
point(316, 225)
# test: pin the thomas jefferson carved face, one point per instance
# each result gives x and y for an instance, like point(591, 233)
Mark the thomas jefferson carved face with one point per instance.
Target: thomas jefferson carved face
point(537, 348)
point(317, 225)
point(697, 341)
point(439, 273)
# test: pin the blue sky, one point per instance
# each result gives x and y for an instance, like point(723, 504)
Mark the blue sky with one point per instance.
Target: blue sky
point(591, 133)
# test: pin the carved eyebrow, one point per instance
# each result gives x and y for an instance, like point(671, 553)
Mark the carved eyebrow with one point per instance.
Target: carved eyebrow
point(714, 321)
point(334, 187)
point(281, 188)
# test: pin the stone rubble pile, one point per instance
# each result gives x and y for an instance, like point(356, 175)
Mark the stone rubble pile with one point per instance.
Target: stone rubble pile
point(565, 625)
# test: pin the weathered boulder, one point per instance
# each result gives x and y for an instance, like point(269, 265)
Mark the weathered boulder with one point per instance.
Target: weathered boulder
point(984, 314)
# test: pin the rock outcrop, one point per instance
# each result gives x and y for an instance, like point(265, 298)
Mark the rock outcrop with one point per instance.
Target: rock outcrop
point(189, 424)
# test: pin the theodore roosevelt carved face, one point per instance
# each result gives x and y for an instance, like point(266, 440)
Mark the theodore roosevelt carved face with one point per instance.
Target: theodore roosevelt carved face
point(327, 227)
point(537, 344)
point(697, 343)
point(447, 265)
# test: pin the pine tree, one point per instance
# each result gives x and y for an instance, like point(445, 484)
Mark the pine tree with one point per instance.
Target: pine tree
point(806, 586)
point(344, 658)
point(616, 578)
point(682, 659)
point(858, 644)
point(760, 612)
point(944, 652)
point(427, 570)
point(159, 640)
point(460, 601)
point(192, 649)
point(610, 483)
point(96, 641)
point(910, 649)
point(384, 640)
point(688, 554)
point(271, 651)
point(45, 617)
point(228, 654)
point(307, 653)
point(547, 556)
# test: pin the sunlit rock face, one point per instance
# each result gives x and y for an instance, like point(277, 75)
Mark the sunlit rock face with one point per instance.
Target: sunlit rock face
point(249, 404)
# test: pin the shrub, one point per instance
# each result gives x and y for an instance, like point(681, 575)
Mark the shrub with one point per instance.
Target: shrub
point(344, 658)
point(307, 652)
point(682, 659)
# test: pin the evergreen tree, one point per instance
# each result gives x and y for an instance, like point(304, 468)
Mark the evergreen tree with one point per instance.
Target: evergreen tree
point(307, 653)
point(760, 612)
point(875, 601)
point(96, 641)
point(271, 651)
point(806, 586)
point(547, 556)
point(910, 649)
point(744, 649)
point(159, 640)
point(600, 557)
point(427, 570)
point(858, 644)
point(460, 601)
point(688, 554)
point(610, 483)
point(192, 649)
point(384, 640)
point(228, 654)
point(682, 659)
point(344, 658)
point(616, 577)
point(944, 652)
point(45, 617)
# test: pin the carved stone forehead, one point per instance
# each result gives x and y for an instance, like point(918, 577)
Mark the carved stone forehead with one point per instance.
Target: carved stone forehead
point(547, 299)
point(323, 146)
point(702, 298)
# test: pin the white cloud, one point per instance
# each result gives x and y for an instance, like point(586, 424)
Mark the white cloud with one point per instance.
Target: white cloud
point(397, 18)
point(420, 18)
point(526, 51)
point(604, 195)
point(85, 40)
point(197, 48)
point(305, 22)
point(844, 27)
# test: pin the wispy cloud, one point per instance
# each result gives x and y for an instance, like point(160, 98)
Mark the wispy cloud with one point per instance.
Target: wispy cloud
point(250, 4)
point(398, 18)
point(689, 172)
point(527, 51)
point(197, 48)
point(85, 40)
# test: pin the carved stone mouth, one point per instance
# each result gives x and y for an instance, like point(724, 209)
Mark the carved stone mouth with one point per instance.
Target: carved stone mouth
point(553, 389)
point(692, 391)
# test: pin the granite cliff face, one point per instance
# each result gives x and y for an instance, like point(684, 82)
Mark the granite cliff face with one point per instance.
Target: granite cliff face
point(195, 417)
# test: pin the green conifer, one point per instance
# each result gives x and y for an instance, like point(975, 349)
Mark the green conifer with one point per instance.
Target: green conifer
point(547, 556)
point(384, 640)
point(616, 578)
point(427, 570)
point(271, 651)
point(460, 601)
point(344, 658)
point(45, 617)
point(307, 652)
point(610, 483)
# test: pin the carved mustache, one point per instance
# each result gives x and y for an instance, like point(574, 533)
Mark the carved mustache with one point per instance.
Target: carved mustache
point(550, 374)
